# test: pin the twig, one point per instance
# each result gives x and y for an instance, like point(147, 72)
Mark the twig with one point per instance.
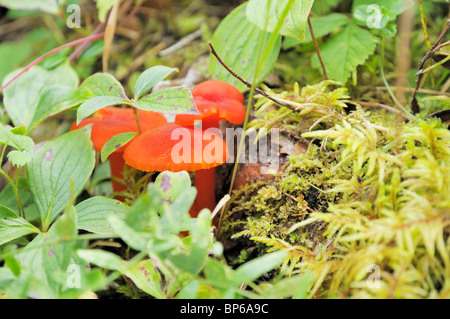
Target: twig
point(75, 55)
point(286, 103)
point(414, 105)
point(316, 46)
point(42, 57)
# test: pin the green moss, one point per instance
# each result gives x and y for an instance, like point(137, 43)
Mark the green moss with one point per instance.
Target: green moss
point(367, 203)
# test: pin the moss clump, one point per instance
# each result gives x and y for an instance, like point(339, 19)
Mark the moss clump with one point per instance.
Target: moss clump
point(368, 213)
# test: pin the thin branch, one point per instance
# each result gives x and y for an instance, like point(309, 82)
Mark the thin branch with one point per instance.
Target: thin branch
point(75, 55)
point(286, 103)
point(42, 57)
point(316, 46)
point(414, 105)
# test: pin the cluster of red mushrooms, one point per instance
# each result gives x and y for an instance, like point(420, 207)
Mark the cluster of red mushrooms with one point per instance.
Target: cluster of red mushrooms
point(151, 149)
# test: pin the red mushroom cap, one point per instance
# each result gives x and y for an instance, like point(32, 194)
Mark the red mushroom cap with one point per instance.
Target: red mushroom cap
point(176, 148)
point(111, 121)
point(215, 100)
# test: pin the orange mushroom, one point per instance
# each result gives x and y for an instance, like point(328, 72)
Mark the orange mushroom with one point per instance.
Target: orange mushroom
point(111, 121)
point(216, 101)
point(175, 148)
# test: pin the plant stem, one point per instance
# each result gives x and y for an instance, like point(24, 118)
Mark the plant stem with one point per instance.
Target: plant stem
point(42, 57)
point(15, 189)
point(316, 46)
point(138, 122)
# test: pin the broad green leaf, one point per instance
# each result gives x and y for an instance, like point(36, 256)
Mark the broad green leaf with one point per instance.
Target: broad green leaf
point(57, 166)
point(50, 6)
point(98, 84)
point(13, 226)
point(59, 250)
point(170, 100)
point(97, 103)
point(143, 215)
point(236, 42)
point(255, 268)
point(92, 214)
point(343, 52)
point(131, 237)
point(266, 13)
point(146, 278)
point(173, 184)
point(114, 143)
point(321, 26)
point(102, 258)
point(296, 287)
point(26, 98)
point(149, 78)
point(15, 53)
point(176, 218)
point(201, 243)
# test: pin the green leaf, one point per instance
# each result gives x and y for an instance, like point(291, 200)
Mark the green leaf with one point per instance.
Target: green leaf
point(19, 158)
point(235, 41)
point(201, 243)
point(393, 7)
point(170, 100)
point(97, 103)
point(57, 166)
point(149, 78)
point(296, 287)
point(50, 6)
point(26, 98)
point(266, 14)
point(103, 7)
point(146, 278)
point(114, 143)
point(321, 26)
point(19, 142)
point(13, 226)
point(255, 268)
point(15, 53)
point(173, 184)
point(98, 84)
point(132, 238)
point(343, 52)
point(23, 144)
point(93, 212)
point(102, 258)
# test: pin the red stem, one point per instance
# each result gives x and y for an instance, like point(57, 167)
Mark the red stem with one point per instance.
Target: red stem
point(42, 57)
point(205, 181)
point(117, 163)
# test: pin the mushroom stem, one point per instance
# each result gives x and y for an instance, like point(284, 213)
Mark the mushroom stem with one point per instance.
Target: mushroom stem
point(205, 182)
point(116, 163)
